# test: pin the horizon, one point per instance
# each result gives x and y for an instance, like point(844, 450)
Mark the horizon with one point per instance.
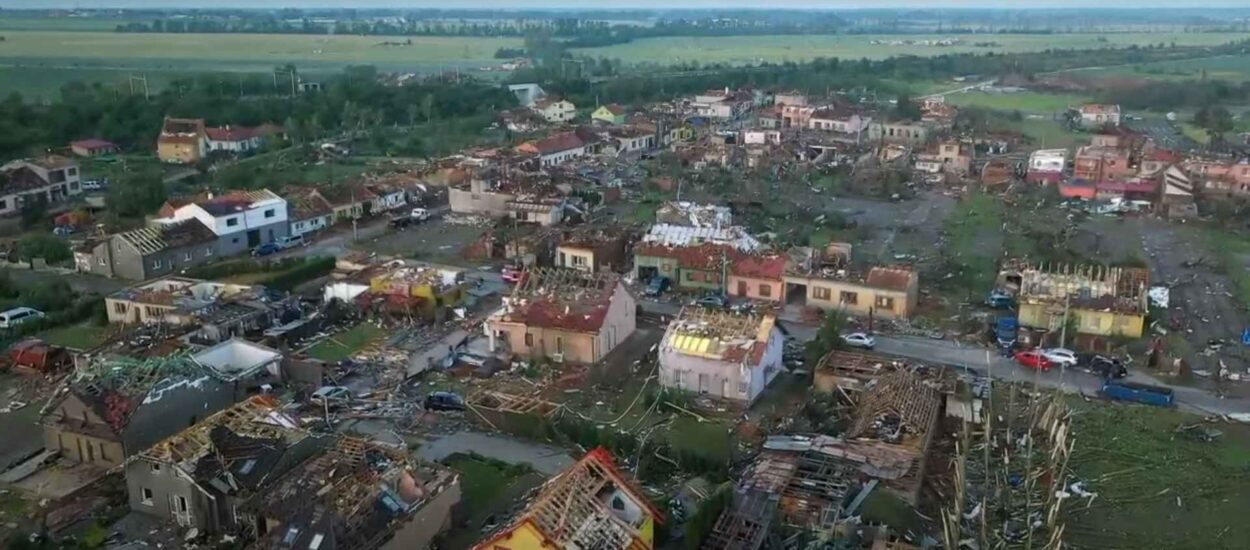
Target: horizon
point(618, 5)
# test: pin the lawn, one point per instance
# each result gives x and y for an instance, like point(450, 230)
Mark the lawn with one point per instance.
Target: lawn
point(1049, 134)
point(481, 481)
point(1233, 68)
point(1025, 102)
point(76, 337)
point(345, 344)
point(754, 49)
point(973, 243)
point(1157, 488)
point(710, 439)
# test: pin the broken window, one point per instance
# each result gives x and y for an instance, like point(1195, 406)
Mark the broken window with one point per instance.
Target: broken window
point(885, 302)
point(766, 290)
point(529, 339)
point(848, 298)
point(821, 293)
point(147, 497)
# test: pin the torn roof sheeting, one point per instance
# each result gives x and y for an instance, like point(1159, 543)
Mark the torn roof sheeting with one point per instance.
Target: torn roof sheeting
point(256, 423)
point(677, 235)
point(720, 335)
point(116, 387)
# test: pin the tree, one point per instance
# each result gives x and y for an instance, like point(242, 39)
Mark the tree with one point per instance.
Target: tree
point(427, 107)
point(137, 195)
point(1219, 122)
point(906, 109)
point(49, 295)
point(34, 210)
point(827, 339)
point(49, 247)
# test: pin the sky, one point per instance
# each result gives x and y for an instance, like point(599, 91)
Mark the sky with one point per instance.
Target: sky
point(586, 4)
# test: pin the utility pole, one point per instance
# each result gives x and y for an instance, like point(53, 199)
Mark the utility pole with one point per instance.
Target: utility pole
point(1063, 336)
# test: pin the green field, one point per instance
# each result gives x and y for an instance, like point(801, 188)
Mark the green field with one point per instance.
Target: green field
point(754, 49)
point(1025, 102)
point(63, 23)
point(1157, 487)
point(345, 344)
point(1234, 68)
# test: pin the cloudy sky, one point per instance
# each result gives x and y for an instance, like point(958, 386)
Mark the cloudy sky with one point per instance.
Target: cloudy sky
point(523, 4)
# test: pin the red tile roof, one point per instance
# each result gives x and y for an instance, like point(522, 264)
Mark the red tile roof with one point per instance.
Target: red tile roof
point(555, 143)
point(890, 278)
point(754, 266)
point(92, 144)
point(709, 257)
point(230, 133)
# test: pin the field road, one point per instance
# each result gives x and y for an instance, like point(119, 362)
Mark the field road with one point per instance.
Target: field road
point(968, 88)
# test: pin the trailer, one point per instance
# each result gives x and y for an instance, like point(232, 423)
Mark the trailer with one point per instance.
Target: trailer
point(1137, 393)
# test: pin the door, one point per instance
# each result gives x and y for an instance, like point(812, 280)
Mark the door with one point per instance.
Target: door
point(703, 383)
point(742, 288)
point(180, 510)
point(253, 238)
point(724, 387)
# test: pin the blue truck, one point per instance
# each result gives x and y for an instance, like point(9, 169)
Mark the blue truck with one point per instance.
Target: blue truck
point(1137, 393)
point(1006, 331)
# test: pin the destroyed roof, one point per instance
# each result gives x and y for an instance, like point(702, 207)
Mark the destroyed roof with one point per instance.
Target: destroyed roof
point(19, 180)
point(574, 509)
point(150, 240)
point(1100, 109)
point(354, 494)
point(230, 133)
point(558, 298)
point(182, 127)
point(236, 201)
point(1091, 286)
point(676, 235)
point(694, 214)
point(346, 194)
point(116, 387)
point(614, 109)
point(303, 206)
point(904, 397)
point(555, 143)
point(92, 144)
point(704, 257)
point(720, 335)
point(759, 266)
point(53, 162)
point(890, 278)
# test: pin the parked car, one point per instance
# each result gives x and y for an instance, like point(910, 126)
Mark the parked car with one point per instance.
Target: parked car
point(444, 401)
point(657, 286)
point(18, 315)
point(999, 299)
point(1137, 393)
point(859, 340)
point(1060, 356)
point(1034, 359)
point(331, 395)
point(713, 301)
point(266, 249)
point(512, 274)
point(1105, 367)
point(290, 241)
point(419, 214)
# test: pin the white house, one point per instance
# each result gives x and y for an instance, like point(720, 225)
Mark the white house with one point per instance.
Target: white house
point(555, 109)
point(389, 197)
point(308, 213)
point(233, 139)
point(555, 149)
point(721, 354)
point(53, 177)
point(830, 120)
point(761, 137)
point(1096, 114)
point(241, 219)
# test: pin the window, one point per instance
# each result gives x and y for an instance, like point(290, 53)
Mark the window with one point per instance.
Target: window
point(156, 468)
point(822, 293)
point(559, 344)
point(885, 302)
point(208, 252)
point(56, 177)
point(529, 339)
point(73, 186)
point(269, 213)
point(848, 298)
point(182, 504)
point(579, 260)
point(148, 497)
point(4, 204)
point(103, 260)
point(232, 222)
point(186, 256)
point(73, 171)
point(299, 226)
point(156, 264)
point(766, 290)
point(119, 307)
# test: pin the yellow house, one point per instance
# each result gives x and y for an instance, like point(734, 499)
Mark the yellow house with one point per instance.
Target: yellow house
point(589, 505)
point(428, 288)
point(611, 114)
point(182, 141)
point(1100, 300)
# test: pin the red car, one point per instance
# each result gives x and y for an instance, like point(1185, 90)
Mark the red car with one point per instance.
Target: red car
point(512, 274)
point(1034, 360)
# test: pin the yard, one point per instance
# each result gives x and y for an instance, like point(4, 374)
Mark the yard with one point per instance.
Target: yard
point(489, 489)
point(76, 337)
point(1158, 486)
point(345, 344)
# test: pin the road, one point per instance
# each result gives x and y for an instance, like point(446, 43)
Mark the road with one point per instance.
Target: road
point(985, 362)
point(968, 88)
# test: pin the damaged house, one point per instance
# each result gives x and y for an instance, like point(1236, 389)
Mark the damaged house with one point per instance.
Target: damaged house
point(828, 281)
point(692, 257)
point(356, 495)
point(727, 355)
point(119, 407)
point(217, 311)
point(563, 315)
point(589, 505)
point(1102, 301)
point(204, 475)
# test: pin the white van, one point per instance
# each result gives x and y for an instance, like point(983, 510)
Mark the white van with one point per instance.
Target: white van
point(290, 242)
point(18, 315)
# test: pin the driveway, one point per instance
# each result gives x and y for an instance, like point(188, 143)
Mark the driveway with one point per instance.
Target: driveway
point(545, 459)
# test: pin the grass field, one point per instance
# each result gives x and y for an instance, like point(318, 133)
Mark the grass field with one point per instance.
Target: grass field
point(343, 345)
point(1234, 68)
point(752, 49)
point(1157, 487)
point(1025, 102)
point(76, 337)
point(62, 23)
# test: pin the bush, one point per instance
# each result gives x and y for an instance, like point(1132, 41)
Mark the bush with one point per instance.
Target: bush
point(704, 519)
point(49, 247)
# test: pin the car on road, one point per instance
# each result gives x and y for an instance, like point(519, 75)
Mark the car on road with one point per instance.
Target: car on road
point(419, 214)
point(1034, 359)
point(18, 315)
point(443, 401)
point(1060, 356)
point(330, 395)
point(656, 286)
point(266, 249)
point(859, 340)
point(713, 301)
point(1105, 367)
